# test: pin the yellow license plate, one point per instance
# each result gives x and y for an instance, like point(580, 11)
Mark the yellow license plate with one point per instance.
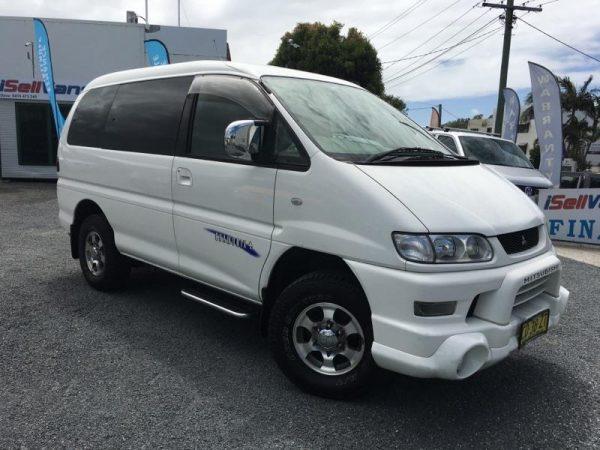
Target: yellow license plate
point(534, 327)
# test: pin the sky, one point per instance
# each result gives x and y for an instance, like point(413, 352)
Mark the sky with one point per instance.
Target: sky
point(464, 80)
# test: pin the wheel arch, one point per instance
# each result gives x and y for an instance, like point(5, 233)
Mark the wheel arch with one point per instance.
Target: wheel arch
point(291, 265)
point(83, 209)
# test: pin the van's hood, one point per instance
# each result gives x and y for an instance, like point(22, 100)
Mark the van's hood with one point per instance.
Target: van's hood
point(458, 199)
point(522, 176)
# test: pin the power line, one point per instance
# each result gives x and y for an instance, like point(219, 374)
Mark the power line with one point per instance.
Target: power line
point(559, 41)
point(418, 26)
point(428, 53)
point(446, 110)
point(420, 108)
point(442, 62)
point(441, 54)
point(485, 37)
point(434, 35)
point(398, 18)
point(435, 48)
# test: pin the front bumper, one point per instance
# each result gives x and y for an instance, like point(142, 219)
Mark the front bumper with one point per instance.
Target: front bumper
point(476, 335)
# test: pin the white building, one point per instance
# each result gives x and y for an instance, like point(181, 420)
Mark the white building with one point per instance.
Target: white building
point(81, 51)
point(482, 124)
point(526, 136)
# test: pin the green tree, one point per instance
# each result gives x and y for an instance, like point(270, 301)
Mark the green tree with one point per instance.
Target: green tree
point(396, 102)
point(319, 48)
point(457, 123)
point(580, 106)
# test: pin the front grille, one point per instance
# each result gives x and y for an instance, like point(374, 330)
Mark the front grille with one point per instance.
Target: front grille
point(519, 241)
point(531, 290)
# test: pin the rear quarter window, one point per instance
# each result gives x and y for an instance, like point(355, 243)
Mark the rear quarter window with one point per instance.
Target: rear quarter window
point(87, 124)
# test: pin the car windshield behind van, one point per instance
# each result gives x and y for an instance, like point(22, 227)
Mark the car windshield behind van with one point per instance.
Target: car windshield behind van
point(494, 151)
point(349, 123)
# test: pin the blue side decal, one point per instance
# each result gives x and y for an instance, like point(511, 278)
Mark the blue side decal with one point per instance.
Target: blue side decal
point(234, 241)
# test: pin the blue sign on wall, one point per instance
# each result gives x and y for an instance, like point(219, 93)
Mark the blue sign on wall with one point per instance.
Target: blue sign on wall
point(156, 53)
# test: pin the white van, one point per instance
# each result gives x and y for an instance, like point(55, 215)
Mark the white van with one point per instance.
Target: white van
point(355, 236)
point(501, 155)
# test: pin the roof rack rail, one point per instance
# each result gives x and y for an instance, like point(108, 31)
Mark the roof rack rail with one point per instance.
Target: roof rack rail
point(462, 130)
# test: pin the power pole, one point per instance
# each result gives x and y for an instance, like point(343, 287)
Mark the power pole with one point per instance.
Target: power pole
point(440, 113)
point(510, 9)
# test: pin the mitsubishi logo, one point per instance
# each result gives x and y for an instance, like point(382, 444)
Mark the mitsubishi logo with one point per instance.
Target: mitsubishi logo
point(523, 240)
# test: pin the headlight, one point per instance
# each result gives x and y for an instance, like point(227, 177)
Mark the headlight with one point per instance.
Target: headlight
point(443, 248)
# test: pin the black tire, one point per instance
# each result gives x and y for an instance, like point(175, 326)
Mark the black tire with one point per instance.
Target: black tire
point(320, 287)
point(116, 267)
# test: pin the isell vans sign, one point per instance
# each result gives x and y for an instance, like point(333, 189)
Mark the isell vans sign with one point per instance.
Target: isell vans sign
point(573, 214)
point(36, 89)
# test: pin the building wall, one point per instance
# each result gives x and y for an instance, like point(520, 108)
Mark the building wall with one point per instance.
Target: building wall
point(484, 125)
point(190, 44)
point(82, 51)
point(528, 138)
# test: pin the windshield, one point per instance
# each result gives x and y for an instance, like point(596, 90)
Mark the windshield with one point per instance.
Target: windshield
point(346, 122)
point(494, 151)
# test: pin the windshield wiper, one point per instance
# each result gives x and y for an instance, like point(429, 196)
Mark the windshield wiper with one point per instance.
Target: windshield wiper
point(407, 152)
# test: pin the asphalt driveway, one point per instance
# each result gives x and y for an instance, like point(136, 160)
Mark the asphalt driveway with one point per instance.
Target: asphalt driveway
point(146, 367)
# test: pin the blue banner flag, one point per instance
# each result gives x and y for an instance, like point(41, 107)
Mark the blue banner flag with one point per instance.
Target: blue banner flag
point(548, 120)
point(512, 111)
point(42, 44)
point(156, 53)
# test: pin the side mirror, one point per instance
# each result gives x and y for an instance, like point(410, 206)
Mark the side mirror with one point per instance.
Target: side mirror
point(243, 138)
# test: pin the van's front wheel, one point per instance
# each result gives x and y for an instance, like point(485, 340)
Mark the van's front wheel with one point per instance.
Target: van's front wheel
point(320, 334)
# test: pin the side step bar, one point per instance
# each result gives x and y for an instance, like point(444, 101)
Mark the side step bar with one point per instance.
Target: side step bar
point(223, 302)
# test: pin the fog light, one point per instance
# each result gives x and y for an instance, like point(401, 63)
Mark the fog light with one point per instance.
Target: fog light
point(433, 309)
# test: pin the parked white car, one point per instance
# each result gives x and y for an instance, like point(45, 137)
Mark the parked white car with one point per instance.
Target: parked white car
point(355, 236)
point(500, 155)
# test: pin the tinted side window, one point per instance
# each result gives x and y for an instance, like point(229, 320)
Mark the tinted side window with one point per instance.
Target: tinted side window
point(87, 124)
point(145, 116)
point(448, 142)
point(222, 100)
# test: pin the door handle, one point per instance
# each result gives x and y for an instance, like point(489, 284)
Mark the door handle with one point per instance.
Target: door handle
point(184, 176)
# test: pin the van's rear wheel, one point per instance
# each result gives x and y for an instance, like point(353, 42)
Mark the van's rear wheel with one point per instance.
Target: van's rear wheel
point(103, 267)
point(320, 334)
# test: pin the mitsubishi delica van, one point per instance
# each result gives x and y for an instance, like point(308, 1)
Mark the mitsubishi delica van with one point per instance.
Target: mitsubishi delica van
point(355, 238)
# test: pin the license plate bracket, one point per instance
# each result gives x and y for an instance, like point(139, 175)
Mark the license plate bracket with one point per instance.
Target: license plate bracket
point(534, 327)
